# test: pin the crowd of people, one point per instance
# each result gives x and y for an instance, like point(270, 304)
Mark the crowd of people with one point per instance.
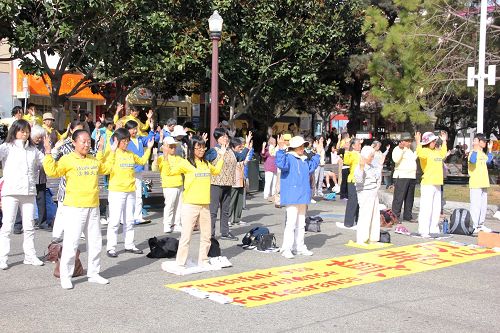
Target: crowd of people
point(200, 184)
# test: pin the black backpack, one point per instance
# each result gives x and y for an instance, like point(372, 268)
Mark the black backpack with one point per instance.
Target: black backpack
point(251, 237)
point(313, 223)
point(265, 242)
point(164, 247)
point(461, 222)
point(214, 251)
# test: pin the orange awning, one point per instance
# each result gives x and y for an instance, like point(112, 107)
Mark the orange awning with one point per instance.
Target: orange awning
point(37, 86)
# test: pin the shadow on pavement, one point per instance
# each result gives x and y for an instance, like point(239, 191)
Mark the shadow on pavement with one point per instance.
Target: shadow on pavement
point(318, 240)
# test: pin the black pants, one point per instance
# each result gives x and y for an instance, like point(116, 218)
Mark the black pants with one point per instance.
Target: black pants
point(41, 203)
point(343, 185)
point(352, 207)
point(404, 192)
point(220, 196)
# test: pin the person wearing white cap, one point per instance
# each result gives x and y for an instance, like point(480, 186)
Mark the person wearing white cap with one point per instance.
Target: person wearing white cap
point(296, 170)
point(431, 161)
point(367, 178)
point(172, 187)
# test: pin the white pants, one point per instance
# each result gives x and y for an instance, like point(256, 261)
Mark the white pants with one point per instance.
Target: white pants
point(121, 208)
point(58, 227)
point(10, 204)
point(478, 205)
point(172, 210)
point(270, 184)
point(293, 238)
point(368, 229)
point(138, 197)
point(430, 209)
point(86, 220)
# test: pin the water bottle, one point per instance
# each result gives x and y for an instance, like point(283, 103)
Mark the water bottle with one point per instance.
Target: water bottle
point(445, 226)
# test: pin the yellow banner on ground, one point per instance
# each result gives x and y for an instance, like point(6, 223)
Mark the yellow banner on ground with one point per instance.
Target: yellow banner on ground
point(283, 283)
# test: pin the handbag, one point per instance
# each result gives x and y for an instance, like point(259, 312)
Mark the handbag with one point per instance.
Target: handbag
point(265, 242)
point(77, 271)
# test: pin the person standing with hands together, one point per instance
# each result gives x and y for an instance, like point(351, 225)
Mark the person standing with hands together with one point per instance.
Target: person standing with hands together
point(431, 162)
point(81, 202)
point(296, 169)
point(479, 181)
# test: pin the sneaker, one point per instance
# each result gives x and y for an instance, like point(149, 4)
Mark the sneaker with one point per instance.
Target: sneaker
point(336, 189)
point(305, 252)
point(497, 215)
point(66, 284)
point(104, 221)
point(229, 236)
point(288, 254)
point(484, 228)
point(242, 223)
point(141, 221)
point(98, 279)
point(313, 201)
point(33, 261)
point(18, 231)
point(112, 254)
point(134, 251)
point(3, 265)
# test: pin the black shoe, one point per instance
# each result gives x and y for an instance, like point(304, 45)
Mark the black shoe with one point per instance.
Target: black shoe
point(134, 251)
point(112, 254)
point(43, 226)
point(229, 236)
point(18, 231)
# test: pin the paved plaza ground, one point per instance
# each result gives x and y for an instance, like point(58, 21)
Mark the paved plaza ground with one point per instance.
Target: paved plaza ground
point(460, 298)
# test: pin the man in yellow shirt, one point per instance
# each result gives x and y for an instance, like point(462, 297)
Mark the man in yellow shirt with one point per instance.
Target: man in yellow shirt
point(351, 158)
point(431, 161)
point(31, 116)
point(479, 181)
point(142, 128)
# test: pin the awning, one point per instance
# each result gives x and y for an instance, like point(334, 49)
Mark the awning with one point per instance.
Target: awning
point(37, 86)
point(340, 117)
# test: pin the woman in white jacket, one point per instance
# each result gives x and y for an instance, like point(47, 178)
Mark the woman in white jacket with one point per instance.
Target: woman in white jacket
point(21, 161)
point(368, 176)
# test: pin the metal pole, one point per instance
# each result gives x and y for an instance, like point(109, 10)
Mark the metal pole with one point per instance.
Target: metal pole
point(482, 58)
point(214, 94)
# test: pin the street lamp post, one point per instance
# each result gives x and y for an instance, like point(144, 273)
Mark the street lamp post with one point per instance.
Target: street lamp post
point(215, 26)
point(481, 75)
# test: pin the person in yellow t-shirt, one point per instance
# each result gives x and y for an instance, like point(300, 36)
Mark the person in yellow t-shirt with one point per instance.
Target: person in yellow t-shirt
point(431, 161)
point(121, 192)
point(81, 203)
point(172, 187)
point(479, 181)
point(55, 136)
point(142, 128)
point(351, 158)
point(31, 116)
point(196, 197)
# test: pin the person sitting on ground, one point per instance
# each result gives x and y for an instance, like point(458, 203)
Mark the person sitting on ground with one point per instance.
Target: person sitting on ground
point(21, 162)
point(295, 192)
point(431, 162)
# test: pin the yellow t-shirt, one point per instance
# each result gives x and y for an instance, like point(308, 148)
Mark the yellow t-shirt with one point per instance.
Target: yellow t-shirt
point(37, 120)
point(81, 174)
point(431, 162)
point(166, 180)
point(196, 180)
point(122, 175)
point(478, 171)
point(141, 127)
point(351, 158)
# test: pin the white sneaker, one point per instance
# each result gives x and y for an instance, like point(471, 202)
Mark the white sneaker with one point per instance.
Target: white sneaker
point(497, 215)
point(288, 254)
point(484, 228)
point(305, 252)
point(33, 261)
point(336, 188)
point(66, 284)
point(3, 265)
point(104, 221)
point(98, 279)
point(82, 236)
point(313, 201)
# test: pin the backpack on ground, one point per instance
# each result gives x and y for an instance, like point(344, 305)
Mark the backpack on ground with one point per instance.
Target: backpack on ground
point(265, 242)
point(214, 250)
point(250, 237)
point(388, 218)
point(385, 236)
point(313, 223)
point(461, 222)
point(164, 247)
